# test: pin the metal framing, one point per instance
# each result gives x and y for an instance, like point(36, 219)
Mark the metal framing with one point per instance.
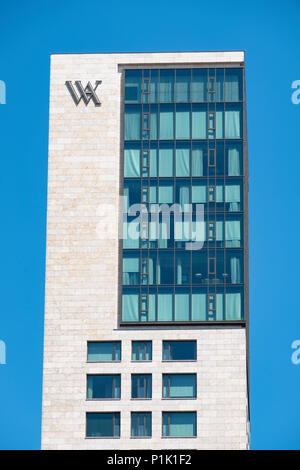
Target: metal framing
point(142, 414)
point(211, 106)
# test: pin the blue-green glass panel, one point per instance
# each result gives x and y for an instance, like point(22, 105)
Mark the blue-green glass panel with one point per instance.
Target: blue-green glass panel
point(167, 78)
point(166, 122)
point(233, 84)
point(233, 121)
point(132, 122)
point(199, 85)
point(180, 350)
point(133, 84)
point(183, 121)
point(183, 85)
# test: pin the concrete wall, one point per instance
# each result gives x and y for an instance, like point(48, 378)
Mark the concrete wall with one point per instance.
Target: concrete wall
point(82, 278)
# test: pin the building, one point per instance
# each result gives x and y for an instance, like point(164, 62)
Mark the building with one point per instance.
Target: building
point(144, 338)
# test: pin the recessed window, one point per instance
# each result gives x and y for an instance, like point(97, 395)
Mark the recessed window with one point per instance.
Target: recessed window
point(103, 386)
point(141, 424)
point(179, 424)
point(179, 350)
point(104, 351)
point(141, 386)
point(180, 126)
point(179, 385)
point(141, 351)
point(103, 425)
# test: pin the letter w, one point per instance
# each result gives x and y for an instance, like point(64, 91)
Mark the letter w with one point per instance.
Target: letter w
point(86, 94)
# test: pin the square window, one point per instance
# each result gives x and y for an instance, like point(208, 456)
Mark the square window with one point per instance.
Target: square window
point(141, 386)
point(141, 424)
point(141, 351)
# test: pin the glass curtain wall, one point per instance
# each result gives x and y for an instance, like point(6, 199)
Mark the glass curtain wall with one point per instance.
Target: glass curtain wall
point(183, 144)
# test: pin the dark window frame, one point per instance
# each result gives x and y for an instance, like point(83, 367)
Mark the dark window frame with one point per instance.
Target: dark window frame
point(114, 414)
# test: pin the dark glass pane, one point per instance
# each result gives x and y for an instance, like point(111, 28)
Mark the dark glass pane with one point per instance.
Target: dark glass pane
point(233, 84)
point(199, 267)
point(102, 424)
point(134, 426)
point(234, 267)
point(134, 386)
point(165, 268)
point(166, 86)
point(180, 350)
point(234, 158)
point(132, 122)
point(179, 386)
point(104, 351)
point(183, 266)
point(103, 386)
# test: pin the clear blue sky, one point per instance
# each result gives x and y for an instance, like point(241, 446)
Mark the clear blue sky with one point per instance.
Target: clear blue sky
point(269, 32)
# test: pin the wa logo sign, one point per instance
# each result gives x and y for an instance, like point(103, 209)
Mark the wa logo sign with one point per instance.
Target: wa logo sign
point(86, 94)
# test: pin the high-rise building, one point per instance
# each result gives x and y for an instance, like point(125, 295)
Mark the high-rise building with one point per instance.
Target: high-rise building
point(146, 310)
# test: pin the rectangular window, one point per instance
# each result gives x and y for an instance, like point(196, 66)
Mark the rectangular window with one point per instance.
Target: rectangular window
point(141, 386)
point(179, 385)
point(140, 424)
point(179, 350)
point(103, 425)
point(179, 424)
point(141, 351)
point(183, 143)
point(104, 351)
point(103, 386)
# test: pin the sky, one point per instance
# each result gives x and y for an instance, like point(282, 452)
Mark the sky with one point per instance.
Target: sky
point(268, 31)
